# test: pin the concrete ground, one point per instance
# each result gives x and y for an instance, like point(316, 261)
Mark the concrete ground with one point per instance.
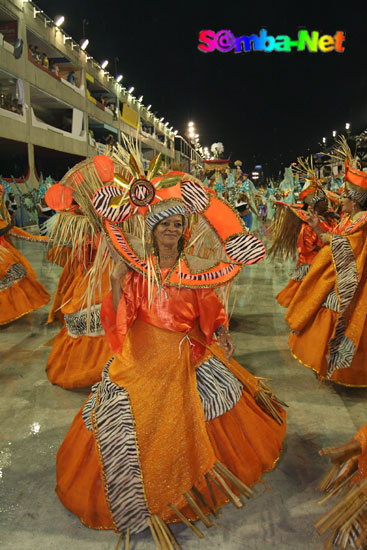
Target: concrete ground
point(35, 416)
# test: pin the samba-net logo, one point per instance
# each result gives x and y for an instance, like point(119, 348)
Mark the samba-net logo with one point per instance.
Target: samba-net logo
point(225, 41)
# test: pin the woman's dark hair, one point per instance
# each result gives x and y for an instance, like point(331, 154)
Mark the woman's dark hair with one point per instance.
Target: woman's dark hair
point(181, 244)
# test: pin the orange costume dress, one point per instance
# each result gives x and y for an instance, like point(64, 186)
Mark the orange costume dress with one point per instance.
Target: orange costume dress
point(20, 292)
point(308, 245)
point(328, 315)
point(168, 409)
point(79, 352)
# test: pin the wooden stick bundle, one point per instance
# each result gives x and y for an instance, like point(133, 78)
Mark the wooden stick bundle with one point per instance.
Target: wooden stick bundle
point(186, 521)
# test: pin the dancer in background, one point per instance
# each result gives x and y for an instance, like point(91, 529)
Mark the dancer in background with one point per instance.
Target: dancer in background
point(80, 350)
point(327, 316)
point(293, 235)
point(20, 292)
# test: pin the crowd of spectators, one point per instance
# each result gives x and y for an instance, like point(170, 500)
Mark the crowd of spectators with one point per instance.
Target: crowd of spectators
point(10, 103)
point(43, 60)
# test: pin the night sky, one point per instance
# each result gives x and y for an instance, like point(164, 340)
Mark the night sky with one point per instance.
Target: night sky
point(266, 108)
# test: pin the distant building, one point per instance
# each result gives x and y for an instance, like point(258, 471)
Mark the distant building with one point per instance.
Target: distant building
point(58, 105)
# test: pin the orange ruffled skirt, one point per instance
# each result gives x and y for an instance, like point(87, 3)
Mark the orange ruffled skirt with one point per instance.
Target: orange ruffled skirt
point(285, 296)
point(176, 446)
point(23, 295)
point(311, 349)
point(76, 360)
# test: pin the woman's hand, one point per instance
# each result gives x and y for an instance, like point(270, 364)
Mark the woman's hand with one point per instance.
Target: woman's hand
point(119, 271)
point(325, 238)
point(225, 341)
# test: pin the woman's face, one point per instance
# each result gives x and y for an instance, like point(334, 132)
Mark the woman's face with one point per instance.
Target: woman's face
point(321, 207)
point(168, 231)
point(347, 204)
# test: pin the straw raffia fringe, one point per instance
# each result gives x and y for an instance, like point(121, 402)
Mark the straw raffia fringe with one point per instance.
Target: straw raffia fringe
point(347, 519)
point(284, 231)
point(304, 169)
point(342, 152)
point(219, 478)
point(268, 401)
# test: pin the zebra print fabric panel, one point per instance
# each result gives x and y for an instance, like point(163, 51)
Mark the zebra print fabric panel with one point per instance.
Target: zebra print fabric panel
point(90, 405)
point(15, 273)
point(331, 301)
point(219, 389)
point(300, 272)
point(341, 349)
point(194, 195)
point(245, 249)
point(101, 203)
point(114, 427)
point(76, 323)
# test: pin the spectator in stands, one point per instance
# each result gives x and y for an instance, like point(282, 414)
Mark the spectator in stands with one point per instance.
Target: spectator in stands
point(45, 62)
point(36, 54)
point(55, 68)
point(110, 140)
point(71, 77)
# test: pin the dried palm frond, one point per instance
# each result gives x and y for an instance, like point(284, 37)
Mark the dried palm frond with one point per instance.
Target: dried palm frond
point(284, 231)
point(73, 230)
point(101, 262)
point(268, 401)
point(304, 169)
point(347, 519)
point(132, 149)
point(342, 151)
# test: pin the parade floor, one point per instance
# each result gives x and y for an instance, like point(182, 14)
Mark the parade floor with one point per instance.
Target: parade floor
point(35, 416)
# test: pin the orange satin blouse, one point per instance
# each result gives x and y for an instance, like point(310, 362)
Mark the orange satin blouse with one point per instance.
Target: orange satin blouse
point(308, 243)
point(172, 309)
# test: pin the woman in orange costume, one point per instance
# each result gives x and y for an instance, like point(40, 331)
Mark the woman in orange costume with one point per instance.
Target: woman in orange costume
point(292, 233)
point(174, 417)
point(20, 292)
point(79, 352)
point(328, 313)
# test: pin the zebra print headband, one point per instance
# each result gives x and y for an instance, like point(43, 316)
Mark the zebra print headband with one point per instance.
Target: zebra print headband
point(151, 219)
point(318, 196)
point(359, 196)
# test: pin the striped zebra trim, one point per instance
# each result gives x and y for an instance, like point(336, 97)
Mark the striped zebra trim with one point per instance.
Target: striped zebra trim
point(114, 429)
point(211, 275)
point(218, 388)
point(92, 400)
point(341, 349)
point(121, 241)
point(245, 249)
point(343, 355)
point(300, 272)
point(101, 203)
point(194, 195)
point(331, 301)
point(15, 273)
point(76, 323)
